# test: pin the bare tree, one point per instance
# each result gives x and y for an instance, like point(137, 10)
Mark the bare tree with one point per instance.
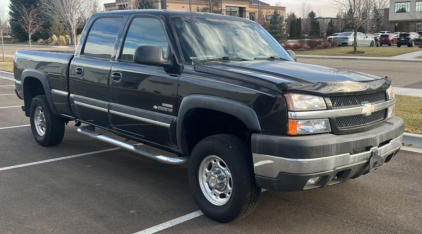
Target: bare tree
point(72, 13)
point(356, 14)
point(305, 8)
point(3, 27)
point(30, 21)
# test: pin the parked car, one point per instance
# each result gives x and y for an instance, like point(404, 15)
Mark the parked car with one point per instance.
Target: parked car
point(409, 38)
point(347, 39)
point(384, 32)
point(331, 37)
point(388, 39)
point(218, 93)
point(420, 33)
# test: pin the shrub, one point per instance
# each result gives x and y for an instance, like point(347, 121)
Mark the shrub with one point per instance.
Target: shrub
point(313, 43)
point(297, 46)
point(78, 38)
point(54, 40)
point(40, 41)
point(302, 41)
point(334, 43)
point(326, 44)
point(62, 41)
point(287, 46)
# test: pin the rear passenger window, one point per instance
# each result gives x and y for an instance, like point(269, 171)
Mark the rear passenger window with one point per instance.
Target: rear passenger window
point(101, 38)
point(144, 32)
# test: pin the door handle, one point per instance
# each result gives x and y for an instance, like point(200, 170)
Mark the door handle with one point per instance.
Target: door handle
point(79, 71)
point(116, 76)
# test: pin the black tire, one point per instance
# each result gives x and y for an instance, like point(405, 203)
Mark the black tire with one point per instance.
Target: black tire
point(398, 45)
point(372, 44)
point(54, 125)
point(238, 158)
point(389, 44)
point(381, 45)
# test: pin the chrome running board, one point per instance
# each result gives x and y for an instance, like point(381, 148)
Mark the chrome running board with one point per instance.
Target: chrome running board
point(90, 131)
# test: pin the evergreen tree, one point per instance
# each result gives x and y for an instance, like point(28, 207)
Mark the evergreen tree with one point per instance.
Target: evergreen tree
point(330, 28)
point(276, 28)
point(377, 20)
point(298, 27)
point(293, 28)
point(15, 15)
point(147, 4)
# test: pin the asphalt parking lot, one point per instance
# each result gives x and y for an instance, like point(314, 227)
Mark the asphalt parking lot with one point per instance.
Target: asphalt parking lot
point(87, 186)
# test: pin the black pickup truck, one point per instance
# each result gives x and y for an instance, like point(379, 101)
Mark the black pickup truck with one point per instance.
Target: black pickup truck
point(217, 92)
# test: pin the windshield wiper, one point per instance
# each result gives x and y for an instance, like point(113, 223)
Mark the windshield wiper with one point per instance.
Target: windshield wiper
point(225, 58)
point(270, 58)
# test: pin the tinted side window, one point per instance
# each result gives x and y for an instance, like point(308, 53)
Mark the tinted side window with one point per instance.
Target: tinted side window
point(144, 32)
point(101, 38)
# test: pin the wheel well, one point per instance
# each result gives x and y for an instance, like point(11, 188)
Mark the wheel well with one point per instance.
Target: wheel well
point(32, 88)
point(201, 123)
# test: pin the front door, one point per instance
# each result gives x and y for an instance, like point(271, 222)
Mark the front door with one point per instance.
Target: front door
point(89, 72)
point(144, 96)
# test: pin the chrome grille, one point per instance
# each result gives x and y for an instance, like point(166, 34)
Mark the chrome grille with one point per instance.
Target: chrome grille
point(355, 100)
point(359, 120)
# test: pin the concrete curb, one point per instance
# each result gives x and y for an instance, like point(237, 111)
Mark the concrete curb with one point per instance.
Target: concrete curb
point(412, 139)
point(6, 74)
point(375, 59)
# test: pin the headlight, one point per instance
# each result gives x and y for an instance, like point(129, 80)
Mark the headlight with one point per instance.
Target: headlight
point(303, 127)
point(391, 112)
point(301, 102)
point(390, 93)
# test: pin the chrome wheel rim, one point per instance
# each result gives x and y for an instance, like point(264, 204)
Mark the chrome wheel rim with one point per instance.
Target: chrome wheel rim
point(215, 180)
point(39, 121)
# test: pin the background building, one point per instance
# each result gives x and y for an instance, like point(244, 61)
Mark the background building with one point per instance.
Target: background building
point(403, 16)
point(240, 8)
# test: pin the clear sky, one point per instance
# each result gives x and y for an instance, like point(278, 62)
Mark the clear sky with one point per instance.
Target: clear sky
point(321, 7)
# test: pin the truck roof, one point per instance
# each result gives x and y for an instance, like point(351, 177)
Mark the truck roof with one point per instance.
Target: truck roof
point(169, 13)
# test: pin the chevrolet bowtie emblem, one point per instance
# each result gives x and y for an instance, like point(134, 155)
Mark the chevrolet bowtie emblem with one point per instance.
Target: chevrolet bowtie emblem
point(367, 109)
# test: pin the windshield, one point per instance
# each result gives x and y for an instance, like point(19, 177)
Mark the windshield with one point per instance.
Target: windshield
point(210, 38)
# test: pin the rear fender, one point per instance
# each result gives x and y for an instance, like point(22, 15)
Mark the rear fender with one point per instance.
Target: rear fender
point(32, 73)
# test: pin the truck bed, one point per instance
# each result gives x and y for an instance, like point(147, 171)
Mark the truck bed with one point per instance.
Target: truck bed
point(54, 65)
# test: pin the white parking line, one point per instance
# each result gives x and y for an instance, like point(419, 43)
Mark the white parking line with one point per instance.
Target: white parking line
point(5, 107)
point(171, 223)
point(20, 126)
point(2, 77)
point(55, 159)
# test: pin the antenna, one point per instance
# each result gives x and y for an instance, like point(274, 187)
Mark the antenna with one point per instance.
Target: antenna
point(191, 36)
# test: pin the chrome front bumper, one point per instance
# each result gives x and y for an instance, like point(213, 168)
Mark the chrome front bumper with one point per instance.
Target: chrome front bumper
point(270, 166)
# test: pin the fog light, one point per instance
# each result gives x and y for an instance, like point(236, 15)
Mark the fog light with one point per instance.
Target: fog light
point(313, 181)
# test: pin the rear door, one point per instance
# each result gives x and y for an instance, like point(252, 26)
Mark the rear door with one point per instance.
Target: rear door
point(144, 96)
point(90, 71)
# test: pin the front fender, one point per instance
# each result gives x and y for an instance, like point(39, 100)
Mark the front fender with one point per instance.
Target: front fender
point(244, 113)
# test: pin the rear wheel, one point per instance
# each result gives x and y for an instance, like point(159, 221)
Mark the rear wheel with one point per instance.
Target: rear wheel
point(389, 44)
point(398, 45)
point(221, 178)
point(47, 128)
point(372, 44)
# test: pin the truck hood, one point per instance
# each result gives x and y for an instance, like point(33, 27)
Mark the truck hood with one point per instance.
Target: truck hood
point(293, 76)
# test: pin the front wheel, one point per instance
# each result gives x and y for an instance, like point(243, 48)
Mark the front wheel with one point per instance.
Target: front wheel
point(47, 128)
point(398, 45)
point(221, 178)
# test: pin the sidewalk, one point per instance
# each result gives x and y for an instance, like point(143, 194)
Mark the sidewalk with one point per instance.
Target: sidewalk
point(408, 92)
point(408, 55)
